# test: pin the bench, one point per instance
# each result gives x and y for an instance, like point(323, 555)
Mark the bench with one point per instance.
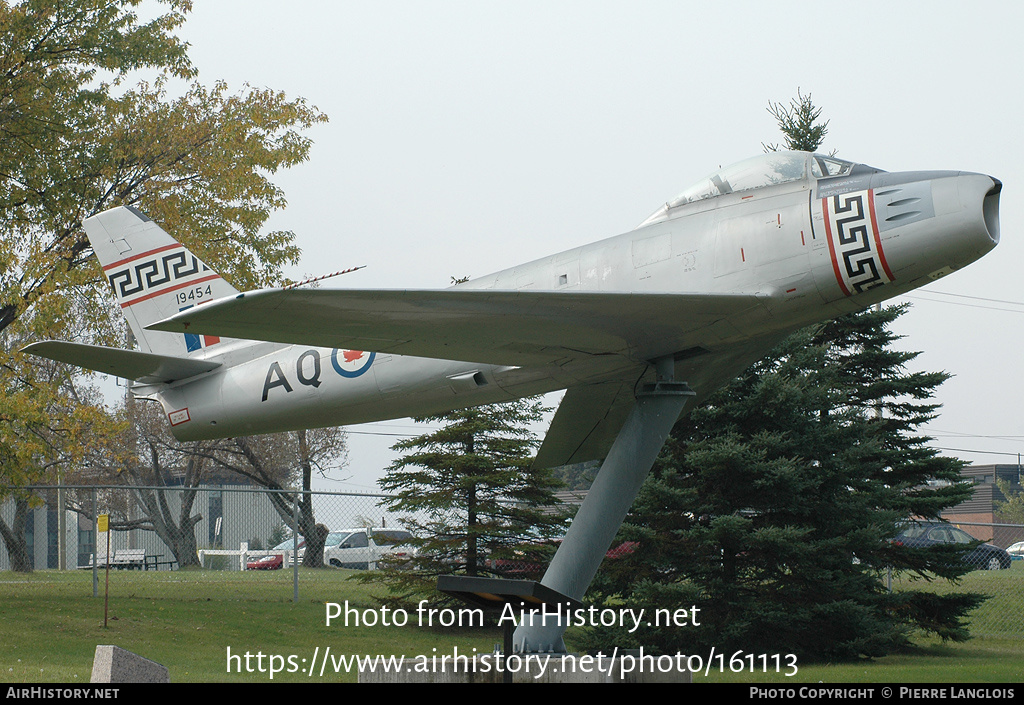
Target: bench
point(240, 554)
point(153, 562)
point(129, 559)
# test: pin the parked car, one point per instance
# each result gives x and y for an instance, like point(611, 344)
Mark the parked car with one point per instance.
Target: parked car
point(529, 561)
point(362, 548)
point(275, 561)
point(983, 556)
point(1016, 551)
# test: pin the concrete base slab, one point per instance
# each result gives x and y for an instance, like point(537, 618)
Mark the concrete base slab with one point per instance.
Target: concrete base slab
point(112, 664)
point(533, 668)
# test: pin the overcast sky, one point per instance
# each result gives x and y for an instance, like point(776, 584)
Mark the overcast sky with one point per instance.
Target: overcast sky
point(465, 137)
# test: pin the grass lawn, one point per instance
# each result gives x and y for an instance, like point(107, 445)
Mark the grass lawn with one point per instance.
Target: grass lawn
point(977, 661)
point(50, 625)
point(187, 620)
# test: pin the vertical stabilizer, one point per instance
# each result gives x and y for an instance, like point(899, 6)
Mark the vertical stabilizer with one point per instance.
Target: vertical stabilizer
point(153, 277)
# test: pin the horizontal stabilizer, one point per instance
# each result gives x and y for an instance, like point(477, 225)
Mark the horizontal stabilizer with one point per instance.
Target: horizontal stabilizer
point(147, 368)
point(478, 325)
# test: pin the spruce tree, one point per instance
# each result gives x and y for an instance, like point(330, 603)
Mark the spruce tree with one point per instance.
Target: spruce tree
point(470, 496)
point(800, 124)
point(773, 506)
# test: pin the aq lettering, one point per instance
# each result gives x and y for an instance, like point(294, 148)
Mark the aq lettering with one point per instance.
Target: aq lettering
point(308, 370)
point(310, 378)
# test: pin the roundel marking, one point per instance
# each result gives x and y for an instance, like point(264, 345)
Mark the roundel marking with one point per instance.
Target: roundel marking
point(351, 363)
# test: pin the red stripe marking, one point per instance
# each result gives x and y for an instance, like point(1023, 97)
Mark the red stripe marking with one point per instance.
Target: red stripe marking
point(802, 238)
point(742, 256)
point(144, 254)
point(790, 291)
point(878, 239)
point(832, 248)
point(209, 340)
point(170, 289)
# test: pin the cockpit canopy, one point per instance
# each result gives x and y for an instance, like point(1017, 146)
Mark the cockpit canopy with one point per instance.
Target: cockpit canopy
point(757, 172)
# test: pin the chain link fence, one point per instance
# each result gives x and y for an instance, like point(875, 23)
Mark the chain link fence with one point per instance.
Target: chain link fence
point(155, 531)
point(252, 533)
point(997, 571)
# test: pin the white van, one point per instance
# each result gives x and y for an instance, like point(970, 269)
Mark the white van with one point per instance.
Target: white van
point(362, 548)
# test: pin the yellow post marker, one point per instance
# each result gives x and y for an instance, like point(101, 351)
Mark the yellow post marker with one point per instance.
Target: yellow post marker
point(103, 527)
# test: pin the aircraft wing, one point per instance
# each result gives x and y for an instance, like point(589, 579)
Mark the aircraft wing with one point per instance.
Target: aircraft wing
point(586, 423)
point(476, 325)
point(147, 368)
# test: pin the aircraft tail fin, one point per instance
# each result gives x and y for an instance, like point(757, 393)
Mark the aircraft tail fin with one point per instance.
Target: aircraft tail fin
point(153, 277)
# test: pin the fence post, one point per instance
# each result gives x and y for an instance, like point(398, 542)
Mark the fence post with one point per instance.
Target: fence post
point(62, 524)
point(95, 546)
point(295, 546)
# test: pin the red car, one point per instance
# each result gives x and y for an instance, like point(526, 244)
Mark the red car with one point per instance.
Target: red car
point(531, 561)
point(275, 561)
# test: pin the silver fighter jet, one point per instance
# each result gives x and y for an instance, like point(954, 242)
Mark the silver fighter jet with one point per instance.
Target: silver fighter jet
point(632, 326)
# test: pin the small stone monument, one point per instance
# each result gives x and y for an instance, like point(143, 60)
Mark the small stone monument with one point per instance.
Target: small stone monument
point(112, 664)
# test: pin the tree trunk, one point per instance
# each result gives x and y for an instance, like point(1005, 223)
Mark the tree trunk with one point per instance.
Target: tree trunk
point(185, 548)
point(179, 536)
point(183, 543)
point(315, 539)
point(14, 537)
point(315, 534)
point(472, 548)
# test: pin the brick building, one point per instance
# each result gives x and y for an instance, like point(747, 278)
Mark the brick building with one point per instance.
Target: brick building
point(981, 508)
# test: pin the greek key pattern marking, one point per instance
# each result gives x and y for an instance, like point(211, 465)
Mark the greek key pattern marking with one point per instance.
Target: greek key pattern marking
point(853, 242)
point(165, 271)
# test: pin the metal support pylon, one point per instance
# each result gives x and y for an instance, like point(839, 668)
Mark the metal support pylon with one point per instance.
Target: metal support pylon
point(593, 529)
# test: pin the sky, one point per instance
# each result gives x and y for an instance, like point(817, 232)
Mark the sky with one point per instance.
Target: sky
point(466, 137)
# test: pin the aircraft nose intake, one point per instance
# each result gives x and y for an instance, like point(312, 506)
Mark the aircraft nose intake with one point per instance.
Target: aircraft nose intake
point(979, 198)
point(963, 226)
point(990, 210)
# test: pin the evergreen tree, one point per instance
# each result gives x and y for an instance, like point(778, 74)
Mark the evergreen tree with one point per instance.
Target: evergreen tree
point(799, 123)
point(773, 506)
point(470, 496)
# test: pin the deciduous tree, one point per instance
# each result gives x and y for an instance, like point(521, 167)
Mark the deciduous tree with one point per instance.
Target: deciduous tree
point(1012, 509)
point(282, 461)
point(77, 138)
point(45, 414)
point(146, 458)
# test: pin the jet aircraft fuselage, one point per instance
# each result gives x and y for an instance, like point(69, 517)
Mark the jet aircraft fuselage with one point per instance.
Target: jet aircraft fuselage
point(713, 279)
point(632, 327)
point(805, 245)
